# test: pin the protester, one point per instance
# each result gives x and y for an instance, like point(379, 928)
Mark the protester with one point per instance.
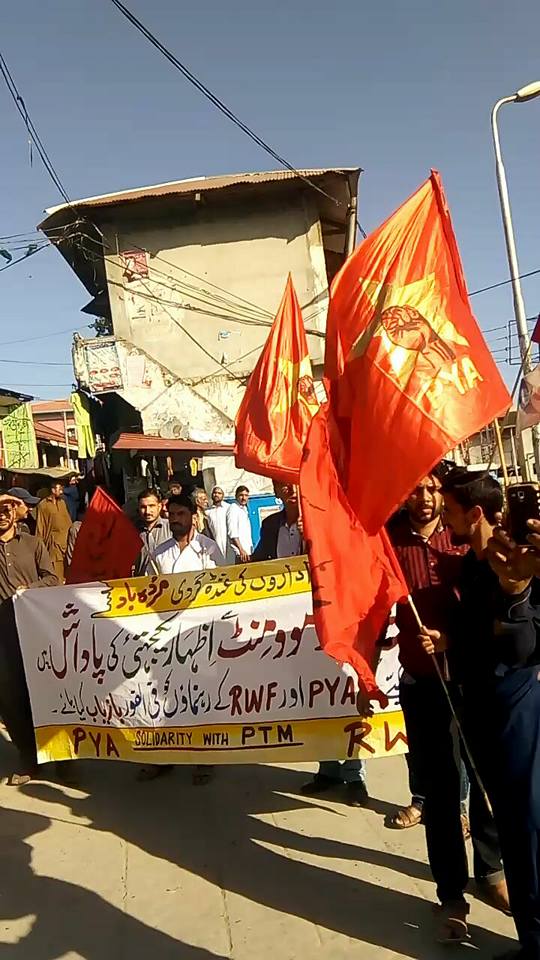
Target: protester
point(200, 520)
point(174, 489)
point(282, 532)
point(153, 529)
point(431, 564)
point(72, 496)
point(53, 523)
point(475, 658)
point(217, 522)
point(186, 550)
point(73, 534)
point(24, 562)
point(282, 536)
point(25, 502)
point(239, 526)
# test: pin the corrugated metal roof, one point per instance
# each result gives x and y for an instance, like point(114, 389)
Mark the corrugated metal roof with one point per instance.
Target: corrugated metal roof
point(198, 185)
point(140, 441)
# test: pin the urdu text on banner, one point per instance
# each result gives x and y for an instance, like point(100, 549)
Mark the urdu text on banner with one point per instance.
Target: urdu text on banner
point(222, 666)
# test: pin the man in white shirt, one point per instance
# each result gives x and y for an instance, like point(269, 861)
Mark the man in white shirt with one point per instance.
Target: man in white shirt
point(239, 526)
point(187, 549)
point(217, 521)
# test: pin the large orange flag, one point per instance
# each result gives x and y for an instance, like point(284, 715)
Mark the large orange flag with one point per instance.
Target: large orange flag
point(279, 402)
point(410, 375)
point(355, 577)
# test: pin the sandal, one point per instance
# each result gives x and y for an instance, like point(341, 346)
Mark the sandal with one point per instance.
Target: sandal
point(453, 922)
point(20, 779)
point(407, 817)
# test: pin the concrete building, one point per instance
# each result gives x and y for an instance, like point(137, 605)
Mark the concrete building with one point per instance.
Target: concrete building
point(56, 433)
point(187, 277)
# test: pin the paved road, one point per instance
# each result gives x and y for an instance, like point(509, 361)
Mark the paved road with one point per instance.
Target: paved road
point(243, 868)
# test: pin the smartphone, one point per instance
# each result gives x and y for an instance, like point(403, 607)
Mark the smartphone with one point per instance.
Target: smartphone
point(523, 504)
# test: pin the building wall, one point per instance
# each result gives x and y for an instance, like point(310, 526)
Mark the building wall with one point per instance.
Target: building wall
point(189, 330)
point(181, 312)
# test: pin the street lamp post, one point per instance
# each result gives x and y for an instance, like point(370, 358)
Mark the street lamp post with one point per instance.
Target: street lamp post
point(529, 92)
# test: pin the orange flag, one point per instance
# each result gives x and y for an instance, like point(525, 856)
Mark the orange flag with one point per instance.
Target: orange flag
point(107, 544)
point(279, 402)
point(410, 375)
point(355, 577)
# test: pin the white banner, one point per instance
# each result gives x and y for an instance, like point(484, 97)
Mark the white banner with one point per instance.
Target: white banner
point(221, 667)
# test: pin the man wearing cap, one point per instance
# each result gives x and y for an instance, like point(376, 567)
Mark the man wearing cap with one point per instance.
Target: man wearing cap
point(25, 502)
point(216, 516)
point(24, 562)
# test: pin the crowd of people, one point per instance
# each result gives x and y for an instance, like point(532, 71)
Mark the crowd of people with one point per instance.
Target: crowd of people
point(470, 682)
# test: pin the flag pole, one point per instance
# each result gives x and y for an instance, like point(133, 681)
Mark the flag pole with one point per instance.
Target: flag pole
point(459, 727)
point(500, 447)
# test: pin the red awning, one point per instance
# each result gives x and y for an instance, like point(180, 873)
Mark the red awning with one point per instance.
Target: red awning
point(140, 441)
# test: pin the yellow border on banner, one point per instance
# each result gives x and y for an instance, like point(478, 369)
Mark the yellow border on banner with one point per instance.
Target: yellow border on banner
point(293, 741)
point(220, 586)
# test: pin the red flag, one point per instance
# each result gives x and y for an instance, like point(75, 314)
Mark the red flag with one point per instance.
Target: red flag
point(410, 373)
point(279, 402)
point(355, 577)
point(535, 335)
point(107, 544)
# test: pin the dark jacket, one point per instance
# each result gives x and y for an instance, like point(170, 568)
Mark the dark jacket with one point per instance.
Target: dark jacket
point(266, 548)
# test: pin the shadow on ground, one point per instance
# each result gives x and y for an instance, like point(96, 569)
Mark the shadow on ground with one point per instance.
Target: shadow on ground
point(214, 833)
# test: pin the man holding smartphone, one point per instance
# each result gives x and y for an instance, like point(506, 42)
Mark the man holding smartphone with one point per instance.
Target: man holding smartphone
point(494, 651)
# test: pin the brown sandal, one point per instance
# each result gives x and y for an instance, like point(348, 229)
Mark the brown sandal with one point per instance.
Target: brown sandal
point(404, 818)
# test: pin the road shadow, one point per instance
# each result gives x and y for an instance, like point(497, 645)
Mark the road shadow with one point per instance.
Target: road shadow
point(68, 918)
point(217, 833)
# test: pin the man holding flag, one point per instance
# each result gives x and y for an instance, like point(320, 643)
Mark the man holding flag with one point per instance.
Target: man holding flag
point(409, 377)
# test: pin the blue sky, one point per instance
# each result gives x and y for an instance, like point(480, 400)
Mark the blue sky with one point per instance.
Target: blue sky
point(396, 87)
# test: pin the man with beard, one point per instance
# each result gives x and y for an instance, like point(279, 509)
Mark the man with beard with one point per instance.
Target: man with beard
point(185, 551)
point(153, 529)
point(282, 532)
point(53, 523)
point(216, 516)
point(24, 563)
point(432, 565)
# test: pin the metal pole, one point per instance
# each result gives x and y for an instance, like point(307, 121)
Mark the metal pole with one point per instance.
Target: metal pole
point(500, 446)
point(519, 306)
point(66, 438)
point(350, 239)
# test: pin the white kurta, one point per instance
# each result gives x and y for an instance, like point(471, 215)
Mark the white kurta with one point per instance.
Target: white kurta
point(201, 553)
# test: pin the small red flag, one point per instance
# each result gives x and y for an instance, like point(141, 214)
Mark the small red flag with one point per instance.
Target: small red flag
point(107, 545)
point(279, 402)
point(355, 577)
point(410, 373)
point(535, 335)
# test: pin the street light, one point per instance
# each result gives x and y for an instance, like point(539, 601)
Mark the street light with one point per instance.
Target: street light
point(529, 92)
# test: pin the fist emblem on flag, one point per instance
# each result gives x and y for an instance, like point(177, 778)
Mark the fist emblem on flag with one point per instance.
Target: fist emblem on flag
point(406, 327)
point(306, 391)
